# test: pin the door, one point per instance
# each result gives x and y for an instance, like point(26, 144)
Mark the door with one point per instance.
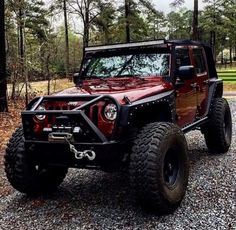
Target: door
point(186, 93)
point(199, 62)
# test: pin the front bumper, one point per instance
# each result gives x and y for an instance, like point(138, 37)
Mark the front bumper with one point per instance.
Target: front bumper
point(41, 146)
point(60, 154)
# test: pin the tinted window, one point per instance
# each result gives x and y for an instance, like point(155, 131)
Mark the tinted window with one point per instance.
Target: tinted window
point(199, 60)
point(182, 57)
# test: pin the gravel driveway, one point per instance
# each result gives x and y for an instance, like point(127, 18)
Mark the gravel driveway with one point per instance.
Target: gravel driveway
point(98, 200)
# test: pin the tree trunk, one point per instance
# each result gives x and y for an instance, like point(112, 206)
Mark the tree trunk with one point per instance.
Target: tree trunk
point(22, 52)
point(230, 55)
point(213, 43)
point(21, 36)
point(86, 27)
point(48, 78)
point(3, 82)
point(195, 21)
point(127, 20)
point(67, 58)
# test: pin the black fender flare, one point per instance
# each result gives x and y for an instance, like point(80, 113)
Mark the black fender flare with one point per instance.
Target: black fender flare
point(128, 112)
point(215, 91)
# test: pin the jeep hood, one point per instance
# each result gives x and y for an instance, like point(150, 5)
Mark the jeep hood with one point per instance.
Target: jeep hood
point(134, 88)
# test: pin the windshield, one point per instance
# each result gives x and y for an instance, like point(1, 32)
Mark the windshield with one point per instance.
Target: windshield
point(142, 65)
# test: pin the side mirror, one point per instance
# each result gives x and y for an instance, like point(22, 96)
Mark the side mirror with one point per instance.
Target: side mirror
point(76, 78)
point(186, 72)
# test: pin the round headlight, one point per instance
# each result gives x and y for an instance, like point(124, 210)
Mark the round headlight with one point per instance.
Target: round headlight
point(41, 117)
point(110, 112)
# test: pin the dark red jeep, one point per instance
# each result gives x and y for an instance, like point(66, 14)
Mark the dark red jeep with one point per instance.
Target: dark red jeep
point(131, 105)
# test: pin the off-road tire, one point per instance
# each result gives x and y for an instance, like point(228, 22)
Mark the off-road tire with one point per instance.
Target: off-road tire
point(218, 131)
point(156, 144)
point(26, 176)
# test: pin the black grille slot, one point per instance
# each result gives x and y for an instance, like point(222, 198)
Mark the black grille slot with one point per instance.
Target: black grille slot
point(71, 107)
point(95, 114)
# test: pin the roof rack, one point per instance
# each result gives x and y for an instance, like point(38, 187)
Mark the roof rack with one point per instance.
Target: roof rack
point(125, 45)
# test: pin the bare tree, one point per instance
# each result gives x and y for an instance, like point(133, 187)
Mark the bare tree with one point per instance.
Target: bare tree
point(3, 83)
point(67, 58)
point(87, 11)
point(22, 56)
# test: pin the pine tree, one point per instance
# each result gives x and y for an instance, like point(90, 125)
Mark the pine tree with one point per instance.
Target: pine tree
point(103, 24)
point(194, 34)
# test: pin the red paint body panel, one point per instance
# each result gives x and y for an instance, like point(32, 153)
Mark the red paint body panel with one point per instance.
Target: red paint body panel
point(186, 101)
point(133, 88)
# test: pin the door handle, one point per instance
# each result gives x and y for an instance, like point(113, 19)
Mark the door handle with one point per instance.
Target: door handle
point(206, 82)
point(194, 85)
point(179, 84)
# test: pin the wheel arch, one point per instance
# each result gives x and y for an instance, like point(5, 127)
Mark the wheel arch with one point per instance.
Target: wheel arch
point(160, 107)
point(215, 91)
point(218, 90)
point(160, 112)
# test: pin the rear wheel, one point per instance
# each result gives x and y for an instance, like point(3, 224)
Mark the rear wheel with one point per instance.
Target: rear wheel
point(159, 167)
point(218, 131)
point(26, 176)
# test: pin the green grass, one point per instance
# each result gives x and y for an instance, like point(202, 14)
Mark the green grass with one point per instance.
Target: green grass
point(228, 76)
point(227, 72)
point(232, 69)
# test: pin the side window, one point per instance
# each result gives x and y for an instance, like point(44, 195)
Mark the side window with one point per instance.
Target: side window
point(199, 60)
point(182, 57)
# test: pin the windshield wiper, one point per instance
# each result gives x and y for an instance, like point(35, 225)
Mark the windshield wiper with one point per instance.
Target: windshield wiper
point(131, 76)
point(125, 65)
point(95, 77)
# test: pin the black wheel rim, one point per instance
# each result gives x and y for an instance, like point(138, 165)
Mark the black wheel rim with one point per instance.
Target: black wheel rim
point(171, 167)
point(40, 171)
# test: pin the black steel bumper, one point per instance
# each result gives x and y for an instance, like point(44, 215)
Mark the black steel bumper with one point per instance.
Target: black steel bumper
point(76, 117)
point(60, 153)
point(89, 138)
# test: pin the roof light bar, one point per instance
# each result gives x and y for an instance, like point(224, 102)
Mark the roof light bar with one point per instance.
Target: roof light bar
point(126, 45)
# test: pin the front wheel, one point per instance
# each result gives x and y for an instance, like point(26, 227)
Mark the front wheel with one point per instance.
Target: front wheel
point(159, 167)
point(26, 176)
point(218, 131)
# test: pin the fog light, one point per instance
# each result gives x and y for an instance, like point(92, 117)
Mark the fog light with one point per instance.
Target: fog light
point(41, 117)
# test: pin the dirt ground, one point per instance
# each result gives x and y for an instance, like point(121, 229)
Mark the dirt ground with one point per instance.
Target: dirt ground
point(8, 123)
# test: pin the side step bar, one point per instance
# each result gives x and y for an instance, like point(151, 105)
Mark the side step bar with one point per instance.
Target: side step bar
point(195, 125)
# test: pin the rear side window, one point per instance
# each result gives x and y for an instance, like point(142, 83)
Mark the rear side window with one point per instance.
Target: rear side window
point(199, 60)
point(182, 57)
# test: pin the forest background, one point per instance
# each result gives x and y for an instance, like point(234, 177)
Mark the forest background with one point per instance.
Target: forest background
point(44, 40)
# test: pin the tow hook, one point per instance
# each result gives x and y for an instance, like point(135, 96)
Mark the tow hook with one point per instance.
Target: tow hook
point(90, 154)
point(87, 153)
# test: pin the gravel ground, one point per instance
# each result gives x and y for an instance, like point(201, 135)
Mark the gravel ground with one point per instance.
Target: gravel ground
point(98, 200)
